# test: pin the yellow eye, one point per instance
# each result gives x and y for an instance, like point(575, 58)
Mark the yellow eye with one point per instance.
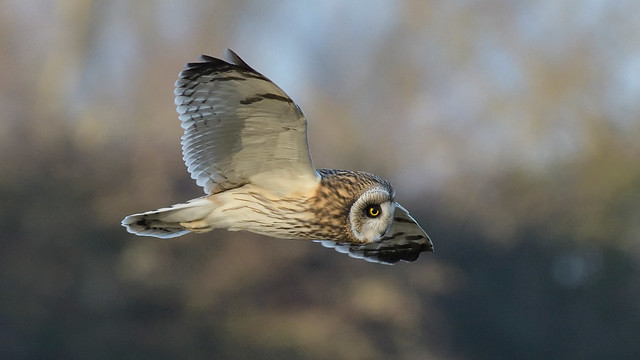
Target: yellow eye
point(373, 210)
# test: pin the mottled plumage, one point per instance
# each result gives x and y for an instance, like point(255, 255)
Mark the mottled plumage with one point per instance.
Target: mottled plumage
point(245, 142)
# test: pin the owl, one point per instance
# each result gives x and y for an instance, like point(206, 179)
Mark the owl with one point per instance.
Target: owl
point(245, 142)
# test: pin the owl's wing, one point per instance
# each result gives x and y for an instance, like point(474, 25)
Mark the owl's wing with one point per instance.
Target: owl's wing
point(404, 241)
point(239, 128)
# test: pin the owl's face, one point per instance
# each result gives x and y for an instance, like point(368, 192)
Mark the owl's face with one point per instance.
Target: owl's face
point(371, 215)
point(352, 207)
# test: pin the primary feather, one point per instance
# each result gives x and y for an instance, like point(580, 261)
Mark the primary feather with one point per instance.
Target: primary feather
point(239, 127)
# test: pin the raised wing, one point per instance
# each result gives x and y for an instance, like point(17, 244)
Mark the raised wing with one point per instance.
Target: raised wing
point(404, 242)
point(239, 128)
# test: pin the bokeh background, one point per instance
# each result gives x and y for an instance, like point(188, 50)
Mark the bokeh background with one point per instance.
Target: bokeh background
point(510, 129)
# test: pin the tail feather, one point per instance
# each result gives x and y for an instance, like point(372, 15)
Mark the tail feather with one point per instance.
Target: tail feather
point(165, 222)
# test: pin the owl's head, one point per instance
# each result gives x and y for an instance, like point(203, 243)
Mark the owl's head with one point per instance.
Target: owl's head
point(371, 215)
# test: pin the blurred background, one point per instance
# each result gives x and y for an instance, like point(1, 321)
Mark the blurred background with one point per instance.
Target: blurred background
point(509, 129)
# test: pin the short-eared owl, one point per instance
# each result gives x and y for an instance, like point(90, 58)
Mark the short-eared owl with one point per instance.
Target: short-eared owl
point(245, 143)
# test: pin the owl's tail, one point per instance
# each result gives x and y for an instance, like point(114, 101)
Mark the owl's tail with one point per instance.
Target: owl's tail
point(172, 221)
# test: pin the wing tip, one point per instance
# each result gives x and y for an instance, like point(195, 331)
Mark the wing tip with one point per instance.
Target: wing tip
point(409, 252)
point(208, 65)
point(235, 59)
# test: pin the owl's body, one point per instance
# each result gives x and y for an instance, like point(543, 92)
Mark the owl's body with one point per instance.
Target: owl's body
point(245, 142)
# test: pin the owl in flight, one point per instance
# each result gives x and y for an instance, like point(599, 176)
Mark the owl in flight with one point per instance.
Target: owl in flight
point(245, 142)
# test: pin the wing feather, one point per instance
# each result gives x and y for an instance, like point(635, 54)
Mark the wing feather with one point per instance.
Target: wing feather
point(239, 128)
